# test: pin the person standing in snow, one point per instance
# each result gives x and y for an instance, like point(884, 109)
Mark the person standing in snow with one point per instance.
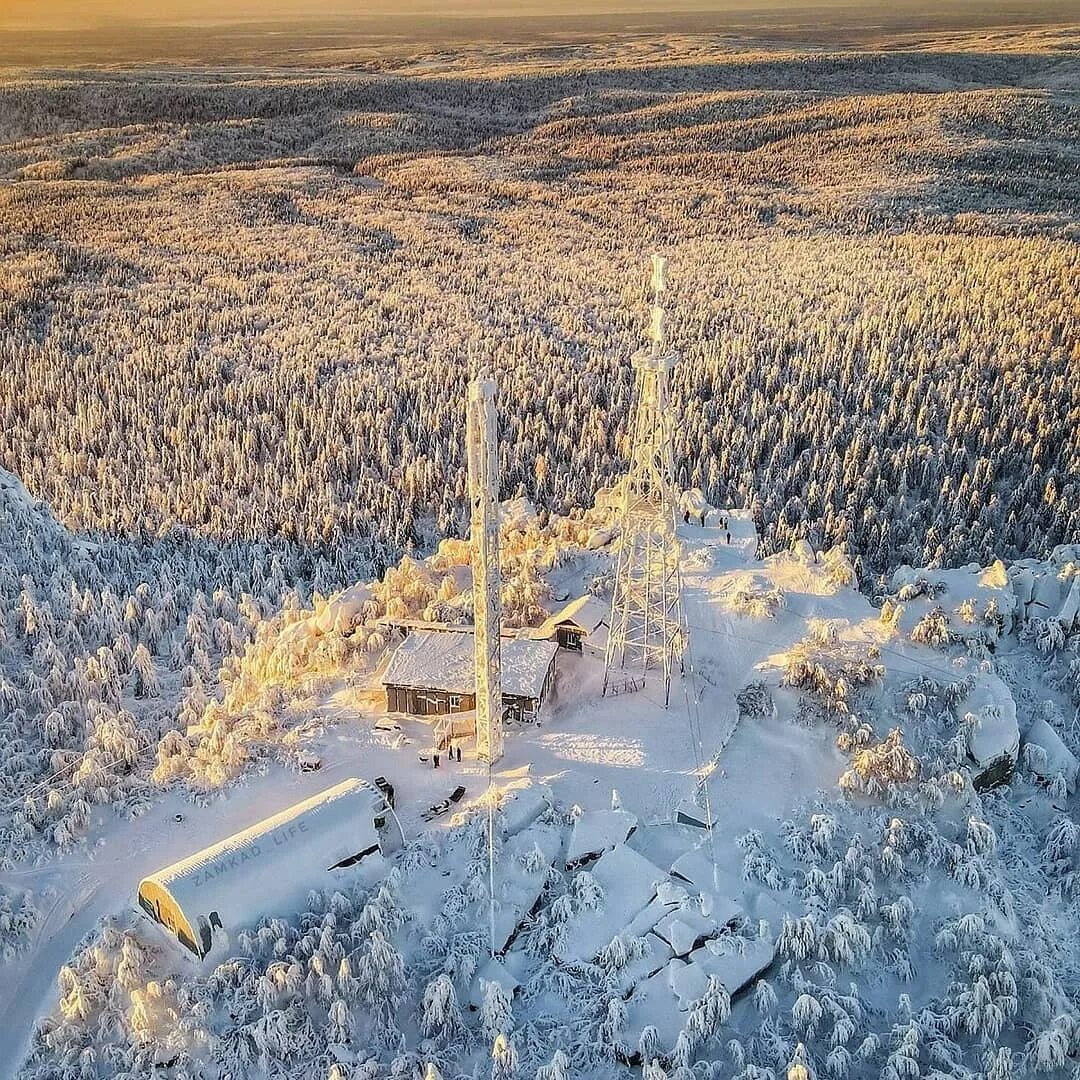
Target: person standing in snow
point(435, 759)
point(729, 536)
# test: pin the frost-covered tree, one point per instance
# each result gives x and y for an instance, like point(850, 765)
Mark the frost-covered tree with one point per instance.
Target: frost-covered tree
point(496, 1009)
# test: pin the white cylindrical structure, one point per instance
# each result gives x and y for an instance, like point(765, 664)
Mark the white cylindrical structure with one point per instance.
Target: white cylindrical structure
point(487, 610)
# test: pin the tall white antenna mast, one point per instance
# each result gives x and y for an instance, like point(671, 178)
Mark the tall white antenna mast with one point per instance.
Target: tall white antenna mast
point(487, 611)
point(647, 623)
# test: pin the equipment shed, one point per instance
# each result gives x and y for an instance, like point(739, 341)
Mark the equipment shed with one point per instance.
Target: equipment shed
point(584, 617)
point(266, 869)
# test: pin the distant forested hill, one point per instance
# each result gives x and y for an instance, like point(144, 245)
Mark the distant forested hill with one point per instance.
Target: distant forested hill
point(247, 304)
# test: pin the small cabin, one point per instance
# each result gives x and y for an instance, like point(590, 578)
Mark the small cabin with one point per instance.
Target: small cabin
point(584, 618)
point(266, 869)
point(432, 673)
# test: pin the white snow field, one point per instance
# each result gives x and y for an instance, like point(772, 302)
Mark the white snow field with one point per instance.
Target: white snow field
point(858, 897)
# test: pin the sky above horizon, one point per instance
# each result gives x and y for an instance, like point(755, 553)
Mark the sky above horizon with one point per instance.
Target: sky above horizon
point(78, 14)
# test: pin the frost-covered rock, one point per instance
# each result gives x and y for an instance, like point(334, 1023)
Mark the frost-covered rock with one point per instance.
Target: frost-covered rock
point(989, 711)
point(628, 881)
point(1049, 588)
point(1053, 758)
point(523, 805)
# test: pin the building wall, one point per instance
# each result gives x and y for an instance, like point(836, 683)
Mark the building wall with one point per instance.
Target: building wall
point(423, 702)
point(160, 906)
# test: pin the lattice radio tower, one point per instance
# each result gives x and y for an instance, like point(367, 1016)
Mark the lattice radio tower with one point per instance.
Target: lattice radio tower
point(487, 617)
point(648, 627)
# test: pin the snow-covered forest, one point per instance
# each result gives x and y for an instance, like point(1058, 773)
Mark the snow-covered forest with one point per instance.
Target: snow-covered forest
point(237, 314)
point(275, 284)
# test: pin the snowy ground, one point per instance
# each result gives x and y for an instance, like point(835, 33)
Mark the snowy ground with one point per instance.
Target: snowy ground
point(586, 747)
point(794, 624)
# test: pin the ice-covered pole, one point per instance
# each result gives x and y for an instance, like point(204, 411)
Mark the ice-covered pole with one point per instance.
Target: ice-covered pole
point(487, 612)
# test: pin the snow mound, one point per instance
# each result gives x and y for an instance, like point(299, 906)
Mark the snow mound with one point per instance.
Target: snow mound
point(516, 514)
point(693, 501)
point(597, 831)
point(600, 538)
point(993, 731)
point(1053, 758)
point(342, 612)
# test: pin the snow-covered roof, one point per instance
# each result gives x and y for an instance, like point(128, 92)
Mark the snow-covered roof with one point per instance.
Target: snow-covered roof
point(430, 660)
point(628, 882)
point(595, 831)
point(585, 612)
point(268, 868)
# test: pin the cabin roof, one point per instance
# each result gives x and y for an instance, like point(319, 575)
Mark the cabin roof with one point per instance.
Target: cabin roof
point(429, 660)
point(585, 613)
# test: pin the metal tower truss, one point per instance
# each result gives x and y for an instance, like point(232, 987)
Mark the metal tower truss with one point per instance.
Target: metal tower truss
point(647, 626)
point(487, 617)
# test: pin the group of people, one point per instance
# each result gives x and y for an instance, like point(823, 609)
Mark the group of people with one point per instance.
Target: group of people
point(702, 516)
point(453, 752)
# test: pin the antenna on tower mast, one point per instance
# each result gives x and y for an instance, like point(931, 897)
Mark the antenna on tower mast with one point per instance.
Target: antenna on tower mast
point(487, 611)
point(648, 626)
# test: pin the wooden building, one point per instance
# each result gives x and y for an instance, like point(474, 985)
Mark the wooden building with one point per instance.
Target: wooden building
point(432, 673)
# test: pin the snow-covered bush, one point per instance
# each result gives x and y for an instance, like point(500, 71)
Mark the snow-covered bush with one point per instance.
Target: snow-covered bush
point(758, 603)
point(933, 629)
point(19, 916)
point(755, 700)
point(877, 770)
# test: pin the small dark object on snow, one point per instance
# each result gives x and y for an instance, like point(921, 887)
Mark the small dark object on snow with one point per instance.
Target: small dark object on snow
point(178, 818)
point(442, 807)
point(386, 788)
